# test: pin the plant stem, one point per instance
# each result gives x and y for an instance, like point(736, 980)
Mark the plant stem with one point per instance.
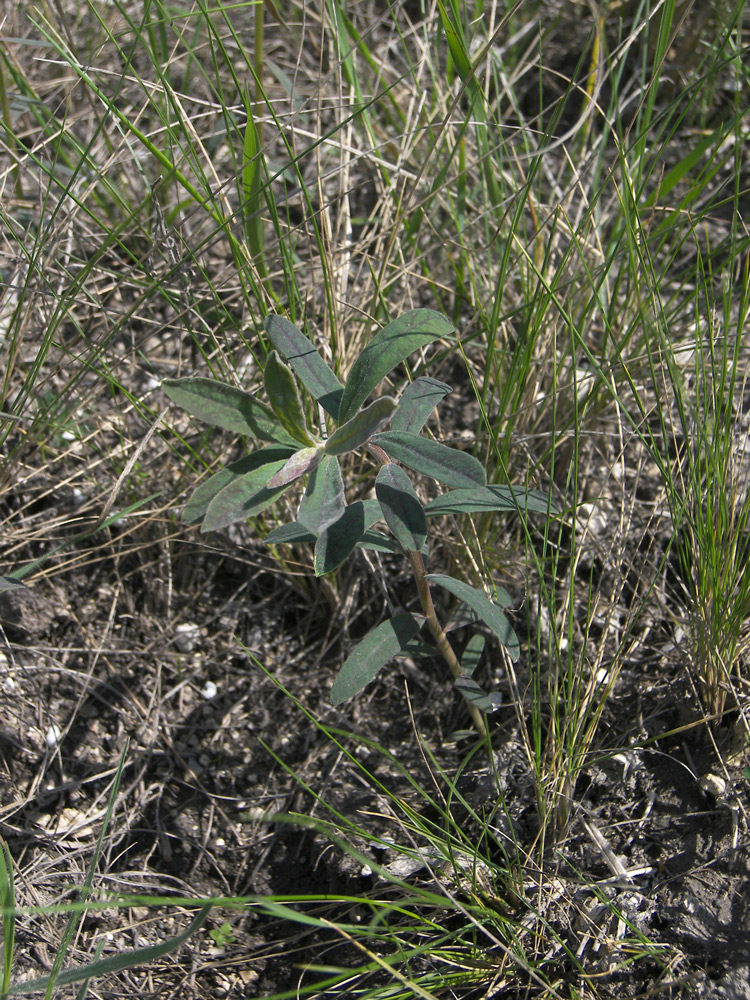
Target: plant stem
point(438, 632)
point(425, 599)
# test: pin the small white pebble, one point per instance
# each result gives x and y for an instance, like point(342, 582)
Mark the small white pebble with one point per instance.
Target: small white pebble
point(713, 785)
point(186, 636)
point(209, 690)
point(52, 737)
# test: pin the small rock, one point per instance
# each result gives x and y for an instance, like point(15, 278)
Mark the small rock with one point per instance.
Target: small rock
point(52, 737)
point(209, 690)
point(186, 637)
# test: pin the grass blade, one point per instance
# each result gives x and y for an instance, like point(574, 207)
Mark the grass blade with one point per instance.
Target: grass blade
point(8, 903)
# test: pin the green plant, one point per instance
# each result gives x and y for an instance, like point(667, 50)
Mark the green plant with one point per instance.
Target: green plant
point(8, 900)
point(222, 935)
point(297, 446)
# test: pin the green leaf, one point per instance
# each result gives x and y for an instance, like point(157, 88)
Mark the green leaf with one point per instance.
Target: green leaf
point(456, 45)
point(311, 369)
point(360, 428)
point(376, 541)
point(447, 465)
point(472, 655)
point(324, 500)
point(686, 166)
point(420, 650)
point(339, 540)
point(8, 903)
point(295, 532)
point(401, 508)
point(225, 406)
point(127, 959)
point(8, 583)
point(196, 507)
point(243, 497)
point(387, 349)
point(461, 617)
point(302, 461)
point(488, 498)
point(373, 652)
point(238, 502)
point(284, 397)
point(289, 534)
point(486, 609)
point(474, 694)
point(252, 188)
point(417, 402)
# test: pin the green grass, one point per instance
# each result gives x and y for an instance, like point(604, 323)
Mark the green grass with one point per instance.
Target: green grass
point(577, 212)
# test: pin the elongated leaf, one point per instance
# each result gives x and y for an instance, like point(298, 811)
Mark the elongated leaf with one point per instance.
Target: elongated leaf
point(474, 694)
point(294, 532)
point(9, 583)
point(252, 188)
point(284, 397)
point(488, 498)
point(376, 541)
point(289, 534)
point(114, 963)
point(447, 465)
point(225, 406)
point(676, 175)
point(472, 655)
point(417, 402)
point(302, 461)
point(8, 903)
point(240, 502)
point(196, 507)
point(361, 427)
point(461, 617)
point(387, 349)
point(456, 45)
point(338, 541)
point(486, 609)
point(376, 649)
point(420, 650)
point(401, 508)
point(311, 369)
point(324, 500)
point(243, 497)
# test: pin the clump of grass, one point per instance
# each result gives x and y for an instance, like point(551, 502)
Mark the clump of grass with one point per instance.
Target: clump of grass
point(709, 495)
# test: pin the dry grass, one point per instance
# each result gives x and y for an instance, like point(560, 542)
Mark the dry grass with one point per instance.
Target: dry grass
point(569, 186)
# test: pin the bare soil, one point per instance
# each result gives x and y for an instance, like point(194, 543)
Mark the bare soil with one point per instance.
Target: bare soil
point(119, 662)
